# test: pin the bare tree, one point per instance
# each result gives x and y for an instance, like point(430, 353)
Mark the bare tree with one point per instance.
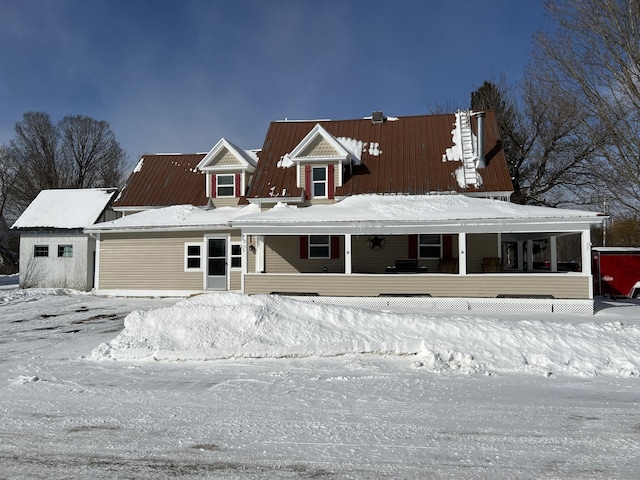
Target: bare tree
point(33, 151)
point(541, 141)
point(91, 150)
point(591, 59)
point(78, 152)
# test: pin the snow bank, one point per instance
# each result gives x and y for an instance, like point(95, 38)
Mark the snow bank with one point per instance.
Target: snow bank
point(219, 326)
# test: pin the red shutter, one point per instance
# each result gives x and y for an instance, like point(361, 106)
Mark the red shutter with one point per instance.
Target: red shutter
point(307, 180)
point(447, 246)
point(304, 246)
point(335, 246)
point(238, 194)
point(213, 185)
point(330, 181)
point(413, 246)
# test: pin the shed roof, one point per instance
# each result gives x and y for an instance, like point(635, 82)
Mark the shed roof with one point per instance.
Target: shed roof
point(165, 179)
point(400, 156)
point(65, 208)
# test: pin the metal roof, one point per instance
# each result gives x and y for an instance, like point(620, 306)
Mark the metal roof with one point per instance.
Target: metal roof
point(165, 179)
point(408, 158)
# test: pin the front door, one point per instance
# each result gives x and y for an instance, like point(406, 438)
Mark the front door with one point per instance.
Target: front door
point(216, 264)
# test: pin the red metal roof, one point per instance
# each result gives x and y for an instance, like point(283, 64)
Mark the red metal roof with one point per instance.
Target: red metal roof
point(410, 159)
point(163, 180)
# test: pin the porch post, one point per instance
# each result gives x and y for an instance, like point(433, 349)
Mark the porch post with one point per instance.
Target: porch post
point(520, 254)
point(245, 259)
point(586, 253)
point(529, 255)
point(347, 254)
point(554, 253)
point(259, 254)
point(462, 253)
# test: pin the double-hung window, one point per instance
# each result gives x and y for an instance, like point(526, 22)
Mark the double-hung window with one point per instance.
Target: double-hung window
point(192, 256)
point(225, 185)
point(430, 246)
point(41, 250)
point(319, 246)
point(236, 255)
point(319, 181)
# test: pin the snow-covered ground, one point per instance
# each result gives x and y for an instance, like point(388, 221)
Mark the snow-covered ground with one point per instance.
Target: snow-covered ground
point(229, 386)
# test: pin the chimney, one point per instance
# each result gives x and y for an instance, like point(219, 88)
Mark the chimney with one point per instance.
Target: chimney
point(480, 160)
point(377, 117)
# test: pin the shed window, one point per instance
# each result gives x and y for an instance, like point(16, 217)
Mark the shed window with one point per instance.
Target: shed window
point(65, 250)
point(319, 246)
point(41, 251)
point(430, 246)
point(226, 186)
point(193, 256)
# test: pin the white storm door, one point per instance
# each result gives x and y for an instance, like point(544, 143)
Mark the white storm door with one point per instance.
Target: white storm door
point(216, 263)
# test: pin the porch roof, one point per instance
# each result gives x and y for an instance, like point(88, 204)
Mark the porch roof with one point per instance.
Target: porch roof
point(412, 213)
point(177, 217)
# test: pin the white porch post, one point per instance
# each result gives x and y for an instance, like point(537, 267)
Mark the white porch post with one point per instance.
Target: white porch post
point(586, 258)
point(554, 253)
point(520, 254)
point(462, 253)
point(259, 254)
point(529, 255)
point(586, 252)
point(347, 254)
point(245, 259)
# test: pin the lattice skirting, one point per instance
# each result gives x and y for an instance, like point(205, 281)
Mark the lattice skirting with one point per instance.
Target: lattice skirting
point(509, 305)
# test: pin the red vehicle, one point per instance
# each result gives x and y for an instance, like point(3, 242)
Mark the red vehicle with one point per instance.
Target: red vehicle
point(616, 271)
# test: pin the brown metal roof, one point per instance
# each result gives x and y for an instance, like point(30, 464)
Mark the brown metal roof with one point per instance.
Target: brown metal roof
point(410, 161)
point(163, 180)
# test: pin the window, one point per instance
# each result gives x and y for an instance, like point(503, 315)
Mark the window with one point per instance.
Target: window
point(430, 246)
point(319, 246)
point(236, 255)
point(65, 250)
point(193, 256)
point(41, 251)
point(225, 185)
point(319, 181)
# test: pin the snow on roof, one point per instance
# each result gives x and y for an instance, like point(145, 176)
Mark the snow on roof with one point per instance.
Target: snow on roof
point(412, 208)
point(175, 217)
point(65, 208)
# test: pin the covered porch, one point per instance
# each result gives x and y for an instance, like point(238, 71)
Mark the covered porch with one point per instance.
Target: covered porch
point(437, 265)
point(431, 246)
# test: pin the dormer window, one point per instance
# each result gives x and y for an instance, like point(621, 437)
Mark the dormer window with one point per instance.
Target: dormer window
point(225, 185)
point(319, 181)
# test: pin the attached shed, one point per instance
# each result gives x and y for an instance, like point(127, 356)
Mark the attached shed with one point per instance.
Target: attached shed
point(54, 250)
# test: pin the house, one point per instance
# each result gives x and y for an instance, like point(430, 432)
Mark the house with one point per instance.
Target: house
point(378, 206)
point(54, 250)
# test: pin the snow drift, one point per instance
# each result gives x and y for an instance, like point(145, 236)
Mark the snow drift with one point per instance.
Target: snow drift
point(220, 326)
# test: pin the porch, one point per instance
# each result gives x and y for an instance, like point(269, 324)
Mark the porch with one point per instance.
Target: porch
point(438, 265)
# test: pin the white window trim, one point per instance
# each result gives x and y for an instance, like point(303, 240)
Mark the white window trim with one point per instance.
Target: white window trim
point(187, 256)
point(313, 257)
point(429, 245)
point(40, 246)
point(325, 181)
point(233, 185)
point(231, 256)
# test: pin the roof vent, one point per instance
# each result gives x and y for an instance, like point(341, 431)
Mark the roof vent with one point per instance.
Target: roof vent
point(378, 117)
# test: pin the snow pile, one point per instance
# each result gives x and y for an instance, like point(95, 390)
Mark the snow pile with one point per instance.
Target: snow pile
point(219, 326)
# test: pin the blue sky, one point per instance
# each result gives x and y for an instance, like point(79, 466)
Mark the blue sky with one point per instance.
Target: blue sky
point(176, 76)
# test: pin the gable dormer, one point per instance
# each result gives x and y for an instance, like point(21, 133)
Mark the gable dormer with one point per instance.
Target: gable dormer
point(318, 159)
point(228, 170)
